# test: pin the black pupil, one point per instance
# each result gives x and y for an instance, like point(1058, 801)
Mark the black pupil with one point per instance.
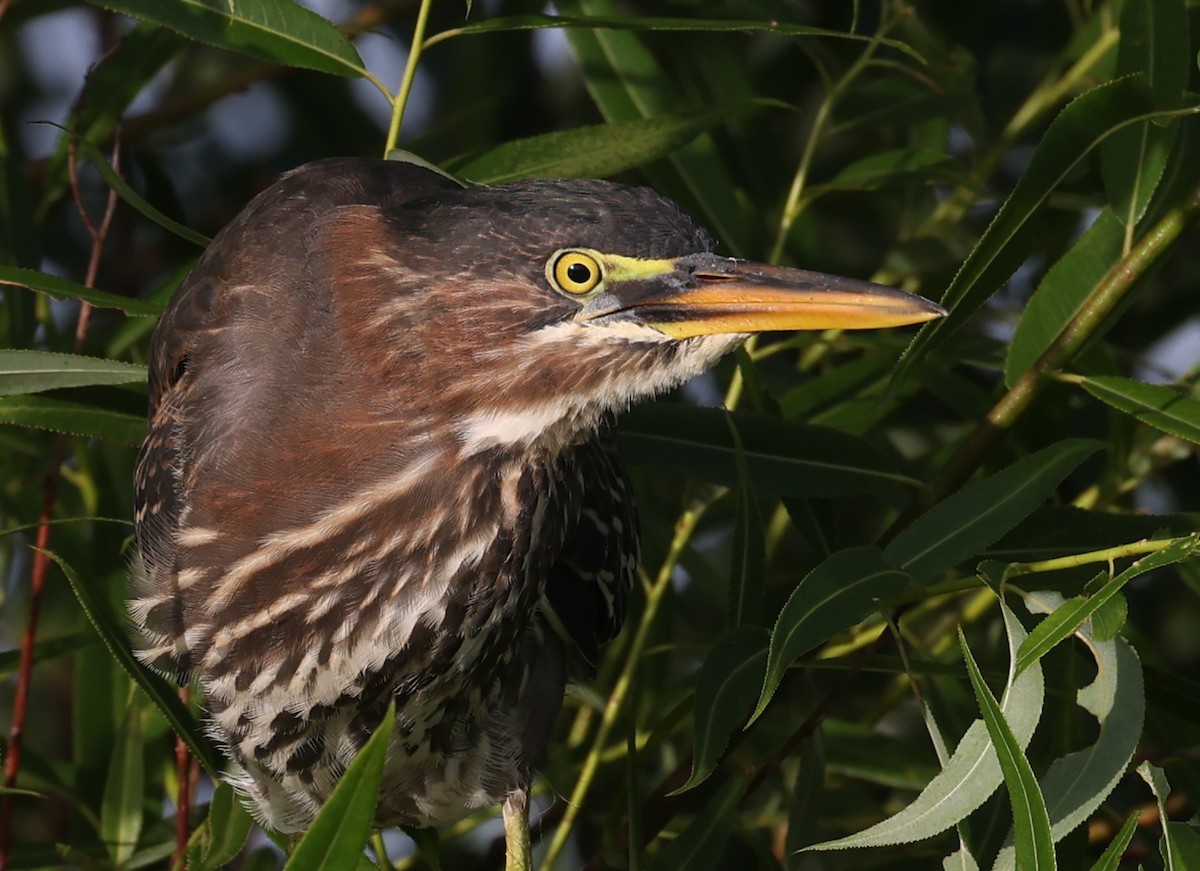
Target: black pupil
point(578, 273)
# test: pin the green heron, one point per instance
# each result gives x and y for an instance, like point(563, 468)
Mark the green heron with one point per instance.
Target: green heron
point(380, 454)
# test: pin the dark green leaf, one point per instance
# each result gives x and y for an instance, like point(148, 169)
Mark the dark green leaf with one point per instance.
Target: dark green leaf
point(1063, 292)
point(782, 457)
point(112, 633)
point(1154, 42)
point(336, 838)
point(627, 81)
point(902, 166)
point(1031, 821)
point(73, 418)
point(133, 198)
point(1080, 127)
point(700, 844)
point(61, 288)
point(225, 831)
point(726, 687)
point(602, 18)
point(43, 650)
point(597, 151)
point(971, 519)
point(748, 565)
point(1157, 406)
point(836, 595)
point(1110, 860)
point(279, 31)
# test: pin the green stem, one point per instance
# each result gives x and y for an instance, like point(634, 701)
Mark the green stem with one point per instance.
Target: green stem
point(684, 528)
point(410, 74)
point(1107, 555)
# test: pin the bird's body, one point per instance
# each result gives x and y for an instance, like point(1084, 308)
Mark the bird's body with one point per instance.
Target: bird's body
point(379, 450)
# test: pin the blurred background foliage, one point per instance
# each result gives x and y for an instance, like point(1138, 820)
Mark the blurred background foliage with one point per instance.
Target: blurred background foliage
point(1034, 164)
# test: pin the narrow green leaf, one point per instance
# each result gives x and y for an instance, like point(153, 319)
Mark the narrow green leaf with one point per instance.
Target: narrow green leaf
point(973, 772)
point(35, 371)
point(901, 166)
point(164, 696)
point(73, 418)
point(279, 31)
point(699, 846)
point(1156, 779)
point(597, 151)
point(837, 594)
point(748, 563)
point(976, 516)
point(726, 687)
point(121, 808)
point(1089, 119)
point(1063, 292)
point(1077, 784)
point(1110, 859)
point(782, 457)
point(1184, 844)
point(610, 21)
point(627, 81)
point(336, 838)
point(1154, 405)
point(1154, 42)
point(63, 289)
point(225, 831)
point(1031, 821)
point(134, 199)
point(1067, 620)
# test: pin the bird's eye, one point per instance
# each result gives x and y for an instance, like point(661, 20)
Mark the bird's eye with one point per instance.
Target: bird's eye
point(574, 272)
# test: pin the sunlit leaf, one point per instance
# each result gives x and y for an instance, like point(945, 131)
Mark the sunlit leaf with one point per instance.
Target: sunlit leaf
point(973, 772)
point(1077, 784)
point(1034, 847)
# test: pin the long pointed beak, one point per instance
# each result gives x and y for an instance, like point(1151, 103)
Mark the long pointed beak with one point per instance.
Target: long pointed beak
point(722, 295)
